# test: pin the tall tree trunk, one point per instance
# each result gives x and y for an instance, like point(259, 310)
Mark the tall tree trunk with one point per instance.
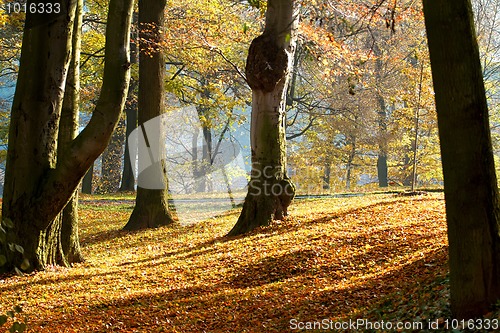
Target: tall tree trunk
point(68, 130)
point(128, 180)
point(382, 170)
point(268, 68)
point(382, 148)
point(38, 183)
point(151, 206)
point(470, 182)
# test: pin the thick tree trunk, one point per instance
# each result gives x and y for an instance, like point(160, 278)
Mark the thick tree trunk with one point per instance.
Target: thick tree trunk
point(35, 117)
point(470, 182)
point(151, 210)
point(36, 189)
point(268, 69)
point(151, 206)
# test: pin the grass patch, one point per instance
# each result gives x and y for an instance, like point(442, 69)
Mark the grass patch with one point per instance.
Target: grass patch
point(376, 257)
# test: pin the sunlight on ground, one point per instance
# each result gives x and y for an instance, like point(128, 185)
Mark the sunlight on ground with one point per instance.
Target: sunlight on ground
point(331, 259)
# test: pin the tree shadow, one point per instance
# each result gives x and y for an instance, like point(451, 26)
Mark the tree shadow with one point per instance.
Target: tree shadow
point(263, 295)
point(236, 305)
point(273, 269)
point(103, 236)
point(288, 225)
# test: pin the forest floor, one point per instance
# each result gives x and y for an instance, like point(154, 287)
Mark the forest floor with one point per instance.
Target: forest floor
point(370, 261)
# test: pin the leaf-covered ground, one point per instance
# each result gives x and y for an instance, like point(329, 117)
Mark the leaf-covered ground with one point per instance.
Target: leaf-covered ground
point(377, 257)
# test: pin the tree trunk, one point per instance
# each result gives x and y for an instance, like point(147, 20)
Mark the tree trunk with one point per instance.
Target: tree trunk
point(151, 206)
point(326, 175)
point(382, 169)
point(38, 183)
point(87, 180)
point(68, 130)
point(203, 166)
point(128, 180)
point(269, 64)
point(111, 164)
point(350, 160)
point(382, 152)
point(194, 158)
point(35, 116)
point(470, 182)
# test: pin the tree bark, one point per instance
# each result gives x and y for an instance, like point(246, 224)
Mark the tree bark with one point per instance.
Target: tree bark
point(33, 131)
point(87, 181)
point(327, 169)
point(382, 170)
point(470, 182)
point(151, 206)
point(38, 182)
point(128, 180)
point(68, 130)
point(203, 166)
point(268, 69)
point(111, 164)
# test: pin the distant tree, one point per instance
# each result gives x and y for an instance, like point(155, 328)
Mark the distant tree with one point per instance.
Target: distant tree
point(268, 69)
point(111, 162)
point(38, 182)
point(87, 181)
point(151, 206)
point(470, 184)
point(127, 176)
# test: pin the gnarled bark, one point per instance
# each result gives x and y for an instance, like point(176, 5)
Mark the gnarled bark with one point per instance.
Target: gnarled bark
point(268, 69)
